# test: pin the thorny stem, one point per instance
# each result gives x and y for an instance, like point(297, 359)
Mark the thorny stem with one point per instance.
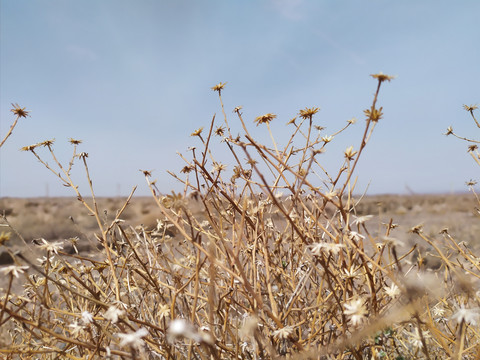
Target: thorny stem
point(208, 139)
point(475, 157)
point(68, 181)
point(224, 114)
point(474, 118)
point(364, 140)
point(460, 341)
point(7, 295)
point(464, 138)
point(90, 184)
point(422, 338)
point(104, 232)
point(273, 139)
point(10, 131)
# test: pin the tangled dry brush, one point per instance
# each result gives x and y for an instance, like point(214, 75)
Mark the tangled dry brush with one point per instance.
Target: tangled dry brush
point(278, 264)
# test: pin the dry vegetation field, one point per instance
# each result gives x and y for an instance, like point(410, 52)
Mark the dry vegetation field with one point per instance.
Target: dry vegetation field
point(270, 256)
point(64, 218)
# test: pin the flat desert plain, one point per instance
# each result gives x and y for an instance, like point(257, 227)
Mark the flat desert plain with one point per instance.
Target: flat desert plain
point(61, 219)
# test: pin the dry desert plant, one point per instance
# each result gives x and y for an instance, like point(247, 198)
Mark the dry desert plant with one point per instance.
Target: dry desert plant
point(278, 265)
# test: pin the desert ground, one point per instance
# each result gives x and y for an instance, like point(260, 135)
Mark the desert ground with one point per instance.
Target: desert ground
point(61, 219)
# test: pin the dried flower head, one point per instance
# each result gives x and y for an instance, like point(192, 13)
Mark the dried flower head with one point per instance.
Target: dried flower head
point(283, 333)
point(75, 141)
point(471, 182)
point(163, 311)
point(382, 77)
point(14, 270)
point(444, 231)
point(469, 316)
point(87, 317)
point(360, 220)
point(43, 260)
point(197, 132)
point(352, 121)
point(219, 131)
point(355, 309)
point(324, 247)
point(113, 313)
point(350, 153)
point(417, 229)
point(50, 247)
point(438, 310)
point(415, 337)
point(237, 109)
point(449, 131)
point(308, 113)
point(179, 328)
point(373, 115)
point(470, 108)
point(219, 87)
point(218, 167)
point(265, 119)
point(29, 147)
point(19, 111)
point(187, 169)
point(327, 139)
point(392, 291)
point(331, 194)
point(353, 235)
point(47, 143)
point(133, 339)
point(350, 273)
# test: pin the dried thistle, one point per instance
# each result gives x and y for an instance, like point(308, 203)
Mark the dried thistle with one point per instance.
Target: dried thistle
point(381, 77)
point(74, 141)
point(355, 309)
point(197, 132)
point(19, 111)
point(219, 87)
point(265, 119)
point(350, 153)
point(470, 108)
point(29, 147)
point(14, 270)
point(220, 131)
point(373, 115)
point(308, 113)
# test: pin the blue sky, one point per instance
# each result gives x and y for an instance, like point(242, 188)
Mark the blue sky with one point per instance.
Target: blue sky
point(133, 79)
